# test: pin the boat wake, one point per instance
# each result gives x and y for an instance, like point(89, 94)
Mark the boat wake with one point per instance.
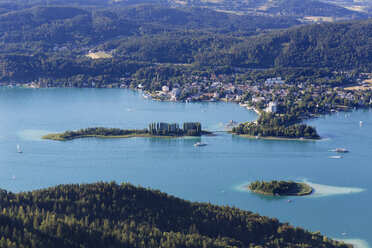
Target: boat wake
point(334, 157)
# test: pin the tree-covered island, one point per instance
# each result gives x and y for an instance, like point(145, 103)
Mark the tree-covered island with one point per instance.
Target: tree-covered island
point(282, 188)
point(155, 130)
point(278, 126)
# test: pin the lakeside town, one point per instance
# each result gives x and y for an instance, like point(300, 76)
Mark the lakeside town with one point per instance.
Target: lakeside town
point(275, 95)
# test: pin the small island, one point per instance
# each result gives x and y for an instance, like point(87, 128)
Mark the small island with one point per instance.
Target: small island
point(162, 130)
point(280, 188)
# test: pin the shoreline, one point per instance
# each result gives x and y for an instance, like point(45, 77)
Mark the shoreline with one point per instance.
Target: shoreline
point(356, 243)
point(53, 137)
point(275, 138)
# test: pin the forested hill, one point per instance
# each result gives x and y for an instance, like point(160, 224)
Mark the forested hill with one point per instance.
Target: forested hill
point(345, 45)
point(295, 8)
point(50, 42)
point(111, 215)
point(84, 25)
point(300, 8)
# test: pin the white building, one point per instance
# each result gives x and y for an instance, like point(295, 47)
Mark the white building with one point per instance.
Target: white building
point(271, 81)
point(257, 99)
point(271, 108)
point(165, 88)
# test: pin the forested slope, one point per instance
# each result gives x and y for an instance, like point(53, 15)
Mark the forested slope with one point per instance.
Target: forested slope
point(50, 42)
point(112, 215)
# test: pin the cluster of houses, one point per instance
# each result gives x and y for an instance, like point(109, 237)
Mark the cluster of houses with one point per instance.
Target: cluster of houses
point(268, 94)
point(214, 88)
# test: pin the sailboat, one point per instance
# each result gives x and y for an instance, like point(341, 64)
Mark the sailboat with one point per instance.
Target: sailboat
point(19, 149)
point(13, 177)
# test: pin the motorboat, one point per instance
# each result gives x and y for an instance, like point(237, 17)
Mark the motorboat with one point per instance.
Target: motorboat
point(341, 150)
point(200, 144)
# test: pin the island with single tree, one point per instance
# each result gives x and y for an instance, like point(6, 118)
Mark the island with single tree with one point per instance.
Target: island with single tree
point(280, 188)
point(163, 130)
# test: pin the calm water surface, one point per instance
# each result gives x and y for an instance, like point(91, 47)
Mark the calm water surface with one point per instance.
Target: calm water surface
point(214, 173)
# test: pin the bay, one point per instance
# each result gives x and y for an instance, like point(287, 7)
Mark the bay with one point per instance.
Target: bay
point(215, 173)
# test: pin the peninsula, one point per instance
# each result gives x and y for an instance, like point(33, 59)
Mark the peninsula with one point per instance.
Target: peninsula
point(163, 130)
point(276, 126)
point(281, 188)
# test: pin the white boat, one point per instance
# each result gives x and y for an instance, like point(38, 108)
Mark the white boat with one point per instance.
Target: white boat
point(19, 149)
point(341, 150)
point(360, 123)
point(13, 177)
point(200, 144)
point(344, 233)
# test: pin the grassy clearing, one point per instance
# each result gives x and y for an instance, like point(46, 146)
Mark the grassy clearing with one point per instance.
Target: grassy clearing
point(99, 55)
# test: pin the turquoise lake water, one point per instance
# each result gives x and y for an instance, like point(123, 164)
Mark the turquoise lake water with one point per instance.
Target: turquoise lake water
point(214, 173)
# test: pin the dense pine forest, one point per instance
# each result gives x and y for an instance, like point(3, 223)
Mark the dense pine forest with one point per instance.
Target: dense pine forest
point(112, 215)
point(344, 45)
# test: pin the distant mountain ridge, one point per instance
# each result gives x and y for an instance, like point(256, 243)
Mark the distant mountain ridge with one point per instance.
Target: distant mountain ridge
point(294, 8)
point(51, 41)
point(58, 24)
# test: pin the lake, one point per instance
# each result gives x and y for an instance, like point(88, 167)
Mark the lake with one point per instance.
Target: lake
point(215, 173)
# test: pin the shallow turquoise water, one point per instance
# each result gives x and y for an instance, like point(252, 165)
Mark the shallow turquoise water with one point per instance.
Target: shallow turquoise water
point(214, 173)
